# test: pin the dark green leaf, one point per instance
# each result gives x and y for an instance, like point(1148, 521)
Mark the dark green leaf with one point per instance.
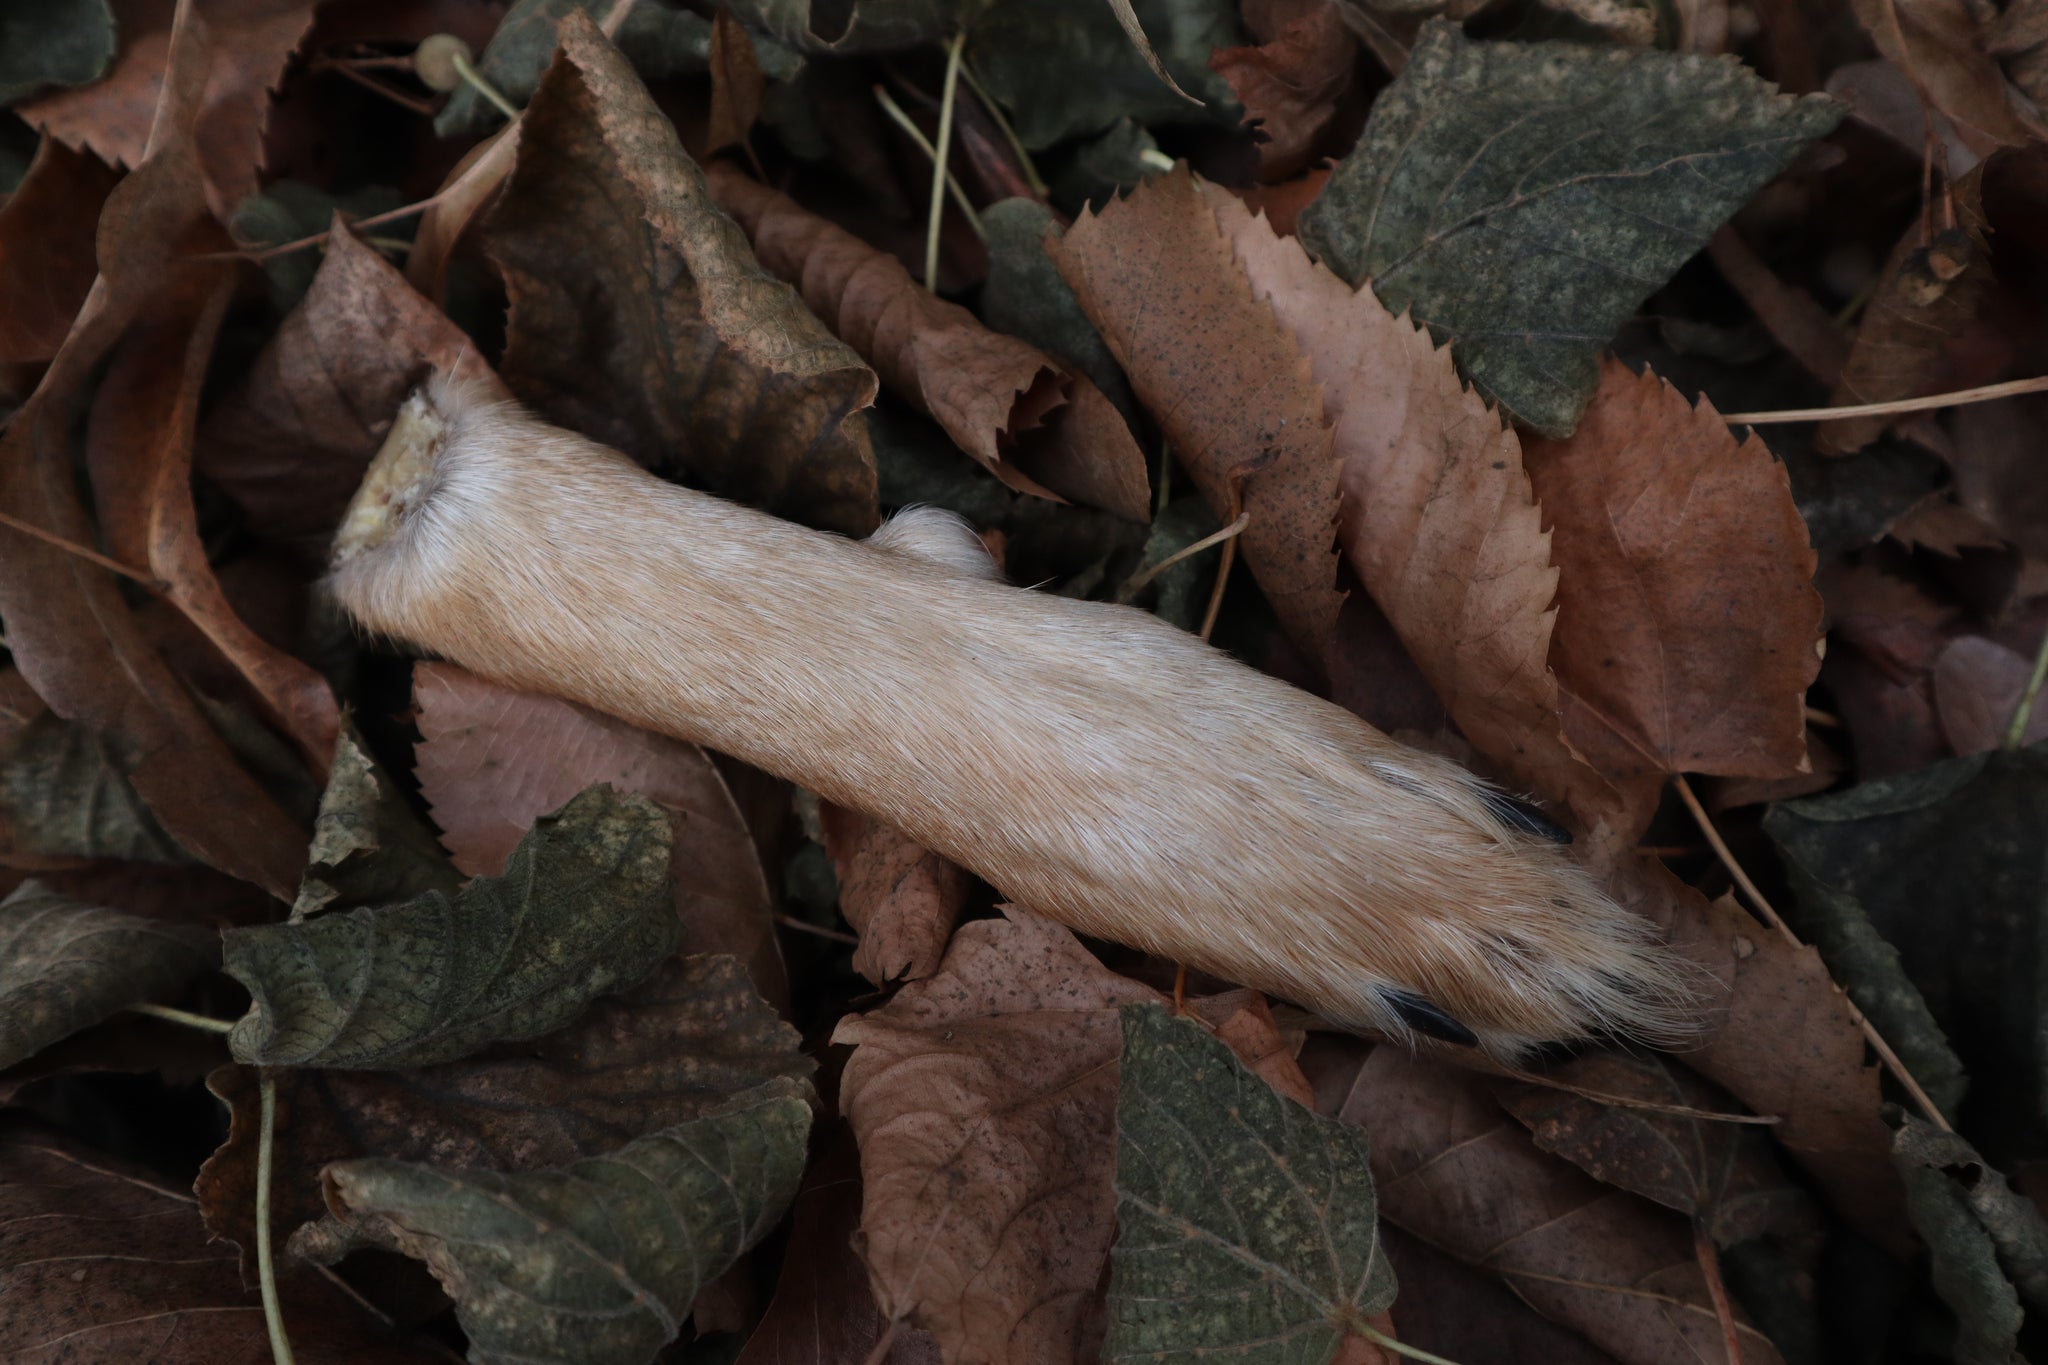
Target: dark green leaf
point(368, 846)
point(1249, 1227)
point(1066, 67)
point(1523, 199)
point(659, 39)
point(599, 1261)
point(865, 25)
point(52, 42)
point(63, 794)
point(290, 210)
point(1026, 296)
point(64, 966)
point(1950, 866)
point(1120, 158)
point(583, 910)
point(1962, 1261)
point(2009, 1218)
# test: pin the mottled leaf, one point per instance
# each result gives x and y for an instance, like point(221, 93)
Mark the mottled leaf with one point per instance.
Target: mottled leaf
point(583, 910)
point(1248, 1223)
point(640, 318)
point(598, 1261)
point(1962, 1258)
point(62, 791)
point(1522, 199)
point(368, 847)
point(53, 42)
point(64, 966)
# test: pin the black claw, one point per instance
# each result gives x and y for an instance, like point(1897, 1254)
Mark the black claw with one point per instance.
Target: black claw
point(1526, 818)
point(1424, 1017)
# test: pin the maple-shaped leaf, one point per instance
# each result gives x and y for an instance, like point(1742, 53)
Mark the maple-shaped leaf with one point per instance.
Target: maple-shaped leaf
point(1248, 1226)
point(1523, 198)
point(1228, 384)
point(640, 318)
point(1688, 627)
point(984, 1099)
point(583, 910)
point(64, 966)
point(598, 1261)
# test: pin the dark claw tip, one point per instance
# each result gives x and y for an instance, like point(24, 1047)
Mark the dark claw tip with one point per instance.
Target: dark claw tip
point(1522, 816)
point(1424, 1017)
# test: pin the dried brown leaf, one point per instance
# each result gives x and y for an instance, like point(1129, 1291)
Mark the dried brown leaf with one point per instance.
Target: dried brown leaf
point(736, 82)
point(290, 444)
point(989, 391)
point(71, 632)
point(1229, 386)
point(1462, 1176)
point(984, 1100)
point(1998, 470)
point(1688, 626)
point(1790, 314)
point(1939, 45)
point(491, 761)
point(46, 249)
point(901, 898)
point(1438, 518)
point(248, 42)
point(98, 1262)
point(639, 317)
point(1291, 84)
point(1242, 1020)
point(1466, 1315)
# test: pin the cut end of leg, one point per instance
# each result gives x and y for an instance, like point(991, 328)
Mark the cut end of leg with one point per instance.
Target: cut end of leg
point(396, 480)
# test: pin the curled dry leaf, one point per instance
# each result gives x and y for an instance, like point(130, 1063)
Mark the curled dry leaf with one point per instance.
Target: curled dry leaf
point(1290, 86)
point(1688, 627)
point(71, 633)
point(46, 249)
point(671, 1049)
point(639, 317)
point(989, 391)
point(1438, 518)
point(901, 898)
point(1229, 386)
point(291, 443)
point(583, 910)
point(1462, 1176)
point(492, 761)
point(984, 1100)
point(64, 966)
point(248, 43)
point(368, 847)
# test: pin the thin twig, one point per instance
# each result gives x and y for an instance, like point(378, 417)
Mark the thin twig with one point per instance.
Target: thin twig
point(1136, 583)
point(1002, 120)
point(266, 1270)
point(1399, 1348)
point(1771, 917)
point(469, 73)
point(1682, 1111)
point(320, 238)
point(2024, 712)
point(185, 1017)
point(836, 935)
point(1957, 398)
point(903, 120)
point(942, 147)
point(84, 552)
point(1710, 1269)
point(1823, 719)
point(411, 103)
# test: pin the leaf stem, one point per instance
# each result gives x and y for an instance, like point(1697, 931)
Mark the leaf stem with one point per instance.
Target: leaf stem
point(2024, 712)
point(476, 80)
point(185, 1017)
point(1710, 1270)
point(941, 149)
point(1956, 398)
point(1399, 1348)
point(1002, 120)
point(86, 553)
point(1772, 918)
point(1136, 583)
point(266, 1270)
point(924, 144)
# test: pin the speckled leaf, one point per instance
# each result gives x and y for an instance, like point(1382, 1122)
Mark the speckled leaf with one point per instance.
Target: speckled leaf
point(2012, 1220)
point(1249, 1225)
point(64, 966)
point(1523, 198)
point(583, 910)
point(368, 847)
point(598, 1261)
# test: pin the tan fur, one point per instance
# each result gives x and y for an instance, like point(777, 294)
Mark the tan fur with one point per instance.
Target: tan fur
point(1090, 761)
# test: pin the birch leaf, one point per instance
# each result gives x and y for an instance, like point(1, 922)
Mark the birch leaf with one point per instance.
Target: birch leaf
point(1523, 198)
point(583, 910)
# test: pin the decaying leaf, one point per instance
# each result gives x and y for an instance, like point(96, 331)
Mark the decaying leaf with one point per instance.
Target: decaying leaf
point(1522, 199)
point(1291, 85)
point(582, 911)
point(1229, 386)
point(491, 761)
point(1939, 44)
point(668, 1051)
point(1963, 1257)
point(62, 792)
point(737, 82)
point(901, 898)
point(1438, 519)
point(984, 1100)
point(1688, 628)
point(64, 966)
point(598, 1261)
point(989, 391)
point(866, 26)
point(368, 847)
point(639, 317)
point(46, 237)
point(1025, 297)
point(1248, 1223)
point(2011, 1220)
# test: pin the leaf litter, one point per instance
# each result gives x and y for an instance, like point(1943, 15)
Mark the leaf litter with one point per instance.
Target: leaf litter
point(1426, 315)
